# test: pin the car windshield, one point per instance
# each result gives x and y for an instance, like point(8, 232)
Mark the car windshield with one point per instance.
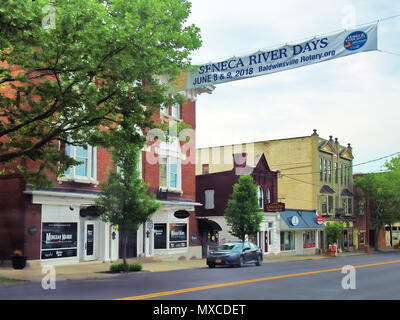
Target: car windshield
point(230, 246)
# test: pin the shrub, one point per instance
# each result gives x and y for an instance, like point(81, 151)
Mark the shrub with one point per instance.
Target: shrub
point(131, 267)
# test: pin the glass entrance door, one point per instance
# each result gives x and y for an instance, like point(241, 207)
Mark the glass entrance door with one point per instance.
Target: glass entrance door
point(89, 238)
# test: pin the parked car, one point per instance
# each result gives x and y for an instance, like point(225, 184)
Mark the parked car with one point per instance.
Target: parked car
point(236, 254)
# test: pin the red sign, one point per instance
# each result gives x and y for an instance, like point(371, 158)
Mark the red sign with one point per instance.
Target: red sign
point(320, 220)
point(274, 207)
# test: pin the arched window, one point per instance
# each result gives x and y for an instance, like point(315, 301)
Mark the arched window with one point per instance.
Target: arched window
point(268, 196)
point(260, 196)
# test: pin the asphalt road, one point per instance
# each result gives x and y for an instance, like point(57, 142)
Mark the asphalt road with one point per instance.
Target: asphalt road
point(377, 277)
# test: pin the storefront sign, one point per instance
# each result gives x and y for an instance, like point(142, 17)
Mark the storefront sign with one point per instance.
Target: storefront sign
point(294, 220)
point(286, 57)
point(59, 240)
point(181, 214)
point(320, 220)
point(275, 207)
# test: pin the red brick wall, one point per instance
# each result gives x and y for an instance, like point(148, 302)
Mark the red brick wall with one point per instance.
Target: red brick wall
point(11, 214)
point(33, 219)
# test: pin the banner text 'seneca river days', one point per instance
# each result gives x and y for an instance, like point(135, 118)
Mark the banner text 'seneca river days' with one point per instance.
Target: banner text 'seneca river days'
point(287, 57)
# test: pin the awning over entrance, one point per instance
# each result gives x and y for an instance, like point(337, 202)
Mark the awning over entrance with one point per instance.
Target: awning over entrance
point(208, 225)
point(92, 211)
point(299, 219)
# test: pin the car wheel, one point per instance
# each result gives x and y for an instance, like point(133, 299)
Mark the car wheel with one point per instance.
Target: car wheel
point(259, 261)
point(241, 262)
point(211, 265)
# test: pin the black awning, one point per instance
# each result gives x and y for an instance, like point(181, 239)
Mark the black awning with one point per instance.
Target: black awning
point(208, 225)
point(92, 211)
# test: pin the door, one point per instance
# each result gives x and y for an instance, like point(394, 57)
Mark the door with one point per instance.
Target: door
point(372, 238)
point(266, 241)
point(89, 240)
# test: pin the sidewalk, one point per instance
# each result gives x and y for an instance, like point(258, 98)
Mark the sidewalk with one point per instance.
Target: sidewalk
point(99, 270)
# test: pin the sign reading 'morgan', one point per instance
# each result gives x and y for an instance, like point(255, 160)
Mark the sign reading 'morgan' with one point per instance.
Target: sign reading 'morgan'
point(59, 240)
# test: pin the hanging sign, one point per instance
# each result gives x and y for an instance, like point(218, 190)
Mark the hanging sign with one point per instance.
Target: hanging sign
point(289, 56)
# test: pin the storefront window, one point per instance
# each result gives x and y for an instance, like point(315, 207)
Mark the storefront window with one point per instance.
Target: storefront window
point(160, 236)
point(309, 239)
point(362, 237)
point(287, 241)
point(177, 235)
point(59, 240)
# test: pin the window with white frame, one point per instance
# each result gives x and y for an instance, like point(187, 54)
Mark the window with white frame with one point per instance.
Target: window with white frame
point(176, 111)
point(268, 195)
point(87, 155)
point(209, 199)
point(260, 196)
point(170, 165)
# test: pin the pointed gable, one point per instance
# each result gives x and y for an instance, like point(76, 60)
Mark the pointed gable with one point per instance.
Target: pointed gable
point(347, 153)
point(327, 146)
point(261, 163)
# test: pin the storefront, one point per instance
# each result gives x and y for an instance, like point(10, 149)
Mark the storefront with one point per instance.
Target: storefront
point(299, 232)
point(210, 234)
point(268, 237)
point(169, 234)
point(70, 228)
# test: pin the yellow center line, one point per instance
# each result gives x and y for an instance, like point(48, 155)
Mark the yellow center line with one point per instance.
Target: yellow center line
point(234, 283)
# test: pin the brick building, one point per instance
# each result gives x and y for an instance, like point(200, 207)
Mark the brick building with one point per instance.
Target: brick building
point(61, 225)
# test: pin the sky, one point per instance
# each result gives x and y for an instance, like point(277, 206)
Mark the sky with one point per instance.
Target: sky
point(354, 98)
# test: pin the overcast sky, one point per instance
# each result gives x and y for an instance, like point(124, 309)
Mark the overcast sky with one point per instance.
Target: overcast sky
point(354, 98)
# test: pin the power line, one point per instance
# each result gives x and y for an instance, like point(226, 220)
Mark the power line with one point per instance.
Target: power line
point(358, 164)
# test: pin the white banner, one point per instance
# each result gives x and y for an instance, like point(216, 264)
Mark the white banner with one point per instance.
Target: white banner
point(287, 57)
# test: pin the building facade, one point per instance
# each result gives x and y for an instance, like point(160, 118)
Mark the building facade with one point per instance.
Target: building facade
point(314, 174)
point(214, 189)
point(61, 225)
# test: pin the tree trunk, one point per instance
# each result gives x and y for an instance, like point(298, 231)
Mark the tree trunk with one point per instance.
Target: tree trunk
point(377, 232)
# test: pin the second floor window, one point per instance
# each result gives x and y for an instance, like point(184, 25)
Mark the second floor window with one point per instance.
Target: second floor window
point(209, 199)
point(324, 208)
point(176, 111)
point(330, 204)
point(169, 172)
point(87, 156)
point(268, 196)
point(170, 165)
point(260, 196)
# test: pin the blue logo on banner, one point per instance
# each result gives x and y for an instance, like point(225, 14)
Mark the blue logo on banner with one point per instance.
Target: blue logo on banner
point(355, 40)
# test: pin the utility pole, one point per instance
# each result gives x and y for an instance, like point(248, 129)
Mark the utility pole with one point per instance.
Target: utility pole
point(367, 248)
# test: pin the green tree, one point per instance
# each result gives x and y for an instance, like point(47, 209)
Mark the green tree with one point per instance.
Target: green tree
point(382, 191)
point(333, 231)
point(124, 199)
point(242, 212)
point(99, 60)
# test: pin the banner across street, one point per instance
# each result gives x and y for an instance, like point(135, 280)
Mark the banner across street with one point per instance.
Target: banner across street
point(286, 57)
